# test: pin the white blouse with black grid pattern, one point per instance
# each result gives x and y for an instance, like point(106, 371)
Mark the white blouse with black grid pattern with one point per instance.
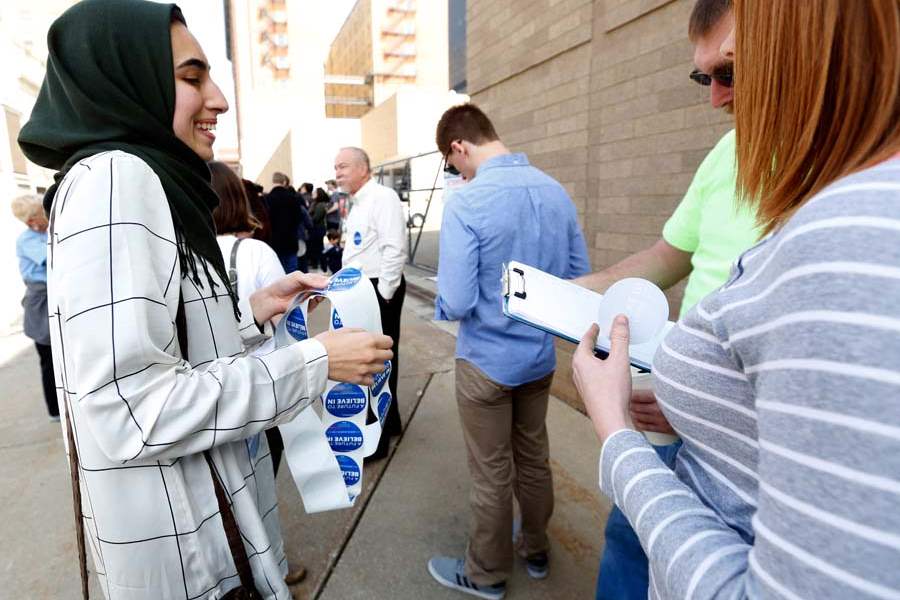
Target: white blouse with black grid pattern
point(142, 415)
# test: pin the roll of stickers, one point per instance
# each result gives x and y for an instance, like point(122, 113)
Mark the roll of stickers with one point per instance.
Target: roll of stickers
point(325, 444)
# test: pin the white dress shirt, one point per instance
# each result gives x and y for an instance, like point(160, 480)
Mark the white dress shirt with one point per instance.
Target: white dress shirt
point(376, 239)
point(142, 415)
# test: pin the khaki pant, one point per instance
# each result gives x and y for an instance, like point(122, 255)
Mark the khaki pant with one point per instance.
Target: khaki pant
point(508, 452)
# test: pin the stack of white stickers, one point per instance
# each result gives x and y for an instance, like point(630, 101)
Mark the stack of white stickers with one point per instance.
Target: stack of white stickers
point(325, 453)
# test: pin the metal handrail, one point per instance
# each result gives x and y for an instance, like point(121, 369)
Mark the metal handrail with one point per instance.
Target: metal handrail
point(380, 168)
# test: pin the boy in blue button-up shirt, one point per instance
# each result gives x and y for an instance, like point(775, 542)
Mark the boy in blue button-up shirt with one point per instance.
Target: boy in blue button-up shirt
point(508, 210)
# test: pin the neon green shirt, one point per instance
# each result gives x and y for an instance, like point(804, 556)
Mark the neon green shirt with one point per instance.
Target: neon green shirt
point(710, 224)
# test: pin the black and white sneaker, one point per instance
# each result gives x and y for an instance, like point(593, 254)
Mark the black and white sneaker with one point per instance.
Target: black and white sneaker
point(538, 565)
point(450, 572)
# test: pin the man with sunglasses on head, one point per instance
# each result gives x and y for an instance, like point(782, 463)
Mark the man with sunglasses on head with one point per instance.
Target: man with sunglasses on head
point(707, 232)
point(508, 210)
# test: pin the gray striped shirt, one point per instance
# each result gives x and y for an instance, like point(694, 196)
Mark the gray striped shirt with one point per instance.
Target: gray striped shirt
point(785, 387)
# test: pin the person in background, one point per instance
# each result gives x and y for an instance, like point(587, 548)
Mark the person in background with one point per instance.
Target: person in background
point(337, 209)
point(304, 232)
point(783, 382)
point(31, 250)
point(259, 211)
point(305, 192)
point(286, 216)
point(377, 243)
point(317, 211)
point(334, 252)
point(251, 265)
point(509, 210)
point(701, 240)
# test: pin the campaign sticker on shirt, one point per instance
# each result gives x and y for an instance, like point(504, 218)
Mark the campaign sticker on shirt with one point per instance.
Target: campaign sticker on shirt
point(349, 469)
point(296, 324)
point(336, 322)
point(381, 378)
point(344, 279)
point(345, 400)
point(384, 402)
point(357, 238)
point(344, 436)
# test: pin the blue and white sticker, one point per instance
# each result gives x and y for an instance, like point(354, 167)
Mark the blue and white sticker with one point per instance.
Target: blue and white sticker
point(344, 279)
point(345, 400)
point(349, 469)
point(384, 402)
point(357, 238)
point(296, 324)
point(344, 436)
point(336, 322)
point(381, 378)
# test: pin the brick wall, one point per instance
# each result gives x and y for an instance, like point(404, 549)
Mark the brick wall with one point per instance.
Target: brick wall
point(596, 92)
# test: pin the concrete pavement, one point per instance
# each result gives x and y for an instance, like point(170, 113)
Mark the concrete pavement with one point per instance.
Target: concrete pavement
point(415, 503)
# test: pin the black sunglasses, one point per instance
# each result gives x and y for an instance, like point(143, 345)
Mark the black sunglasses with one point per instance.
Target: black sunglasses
point(722, 75)
point(448, 168)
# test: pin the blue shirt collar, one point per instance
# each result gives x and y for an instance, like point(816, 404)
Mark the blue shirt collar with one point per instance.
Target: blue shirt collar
point(514, 159)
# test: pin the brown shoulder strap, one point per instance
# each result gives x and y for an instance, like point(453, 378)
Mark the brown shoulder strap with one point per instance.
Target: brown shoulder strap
point(74, 472)
point(76, 499)
point(233, 534)
point(229, 524)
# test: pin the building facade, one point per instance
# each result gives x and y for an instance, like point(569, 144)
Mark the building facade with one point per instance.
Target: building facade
point(278, 51)
point(457, 35)
point(597, 93)
point(385, 46)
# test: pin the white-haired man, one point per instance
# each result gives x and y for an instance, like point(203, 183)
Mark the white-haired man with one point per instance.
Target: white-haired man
point(376, 242)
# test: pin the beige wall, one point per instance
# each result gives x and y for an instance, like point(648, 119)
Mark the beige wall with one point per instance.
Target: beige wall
point(596, 92)
point(351, 54)
point(379, 131)
point(364, 44)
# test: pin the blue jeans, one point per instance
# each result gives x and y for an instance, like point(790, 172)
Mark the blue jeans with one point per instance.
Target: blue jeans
point(289, 262)
point(623, 566)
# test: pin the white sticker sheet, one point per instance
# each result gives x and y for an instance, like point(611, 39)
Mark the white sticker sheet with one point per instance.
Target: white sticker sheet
point(325, 444)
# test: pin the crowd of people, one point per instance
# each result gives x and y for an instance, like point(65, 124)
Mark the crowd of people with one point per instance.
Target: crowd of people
point(296, 223)
point(166, 274)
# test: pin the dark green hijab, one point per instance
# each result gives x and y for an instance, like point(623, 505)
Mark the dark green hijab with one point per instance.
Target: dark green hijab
point(110, 85)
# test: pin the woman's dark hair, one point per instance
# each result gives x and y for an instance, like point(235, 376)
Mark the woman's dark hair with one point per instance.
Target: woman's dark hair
point(233, 213)
point(322, 195)
point(306, 188)
point(258, 208)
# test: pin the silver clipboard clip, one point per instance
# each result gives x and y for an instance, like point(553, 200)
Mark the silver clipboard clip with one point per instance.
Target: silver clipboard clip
point(517, 287)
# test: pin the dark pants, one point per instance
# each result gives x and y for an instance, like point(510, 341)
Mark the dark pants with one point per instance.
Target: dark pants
point(334, 258)
point(289, 262)
point(314, 247)
point(624, 571)
point(390, 325)
point(47, 378)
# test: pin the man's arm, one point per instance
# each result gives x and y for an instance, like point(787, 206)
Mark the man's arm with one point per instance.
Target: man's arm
point(662, 263)
point(458, 267)
point(392, 242)
point(579, 262)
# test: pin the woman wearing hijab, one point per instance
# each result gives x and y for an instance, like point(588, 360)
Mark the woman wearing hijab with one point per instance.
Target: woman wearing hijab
point(158, 399)
point(783, 383)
